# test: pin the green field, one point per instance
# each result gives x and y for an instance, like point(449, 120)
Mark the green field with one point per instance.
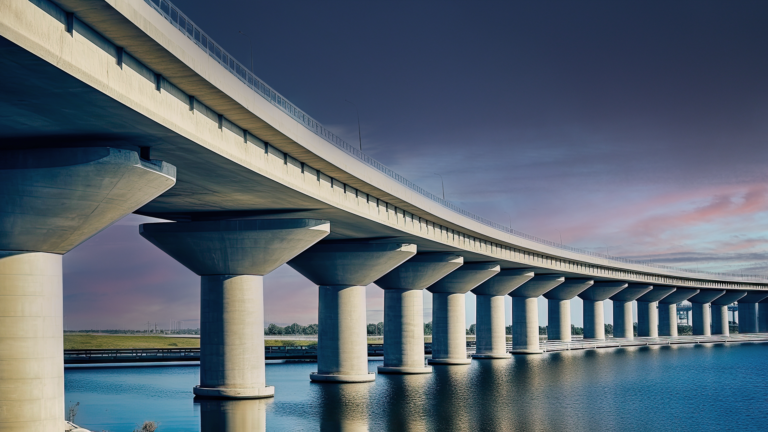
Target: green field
point(91, 341)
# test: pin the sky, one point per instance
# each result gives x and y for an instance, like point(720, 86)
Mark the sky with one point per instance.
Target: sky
point(633, 128)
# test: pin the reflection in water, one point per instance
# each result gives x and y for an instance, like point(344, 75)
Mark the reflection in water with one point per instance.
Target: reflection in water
point(222, 415)
point(344, 407)
point(647, 388)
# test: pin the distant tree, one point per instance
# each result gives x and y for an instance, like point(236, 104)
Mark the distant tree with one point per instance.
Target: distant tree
point(684, 330)
point(371, 329)
point(542, 330)
point(577, 330)
point(509, 330)
point(471, 329)
point(634, 328)
point(380, 329)
point(293, 329)
point(428, 328)
point(310, 329)
point(273, 329)
point(609, 329)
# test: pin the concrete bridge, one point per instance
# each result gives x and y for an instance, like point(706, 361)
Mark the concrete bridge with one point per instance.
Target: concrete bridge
point(119, 106)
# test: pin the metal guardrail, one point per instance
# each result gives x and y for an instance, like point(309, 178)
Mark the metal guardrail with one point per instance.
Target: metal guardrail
point(133, 355)
point(173, 15)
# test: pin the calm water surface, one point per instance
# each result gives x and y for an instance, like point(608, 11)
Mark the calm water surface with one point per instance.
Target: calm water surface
point(699, 387)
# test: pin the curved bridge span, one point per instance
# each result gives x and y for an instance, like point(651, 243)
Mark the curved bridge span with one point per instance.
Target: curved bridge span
point(109, 107)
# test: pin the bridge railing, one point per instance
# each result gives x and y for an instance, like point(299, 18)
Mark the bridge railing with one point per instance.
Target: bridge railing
point(173, 15)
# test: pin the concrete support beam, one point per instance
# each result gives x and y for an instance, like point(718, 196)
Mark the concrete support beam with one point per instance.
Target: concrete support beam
point(525, 312)
point(491, 334)
point(559, 307)
point(51, 200)
point(720, 311)
point(762, 316)
point(449, 337)
point(647, 311)
point(668, 310)
point(748, 313)
point(623, 325)
point(594, 313)
point(342, 270)
point(404, 309)
point(232, 257)
point(702, 316)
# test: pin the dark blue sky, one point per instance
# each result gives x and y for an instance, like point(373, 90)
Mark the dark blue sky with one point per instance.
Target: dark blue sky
point(633, 127)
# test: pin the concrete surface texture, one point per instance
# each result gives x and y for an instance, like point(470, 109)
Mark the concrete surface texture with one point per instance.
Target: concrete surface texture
point(648, 310)
point(719, 311)
point(701, 314)
point(525, 312)
point(51, 200)
point(235, 247)
point(232, 256)
point(559, 307)
point(668, 310)
point(623, 324)
point(490, 332)
point(449, 337)
point(404, 309)
point(749, 320)
point(342, 270)
point(594, 312)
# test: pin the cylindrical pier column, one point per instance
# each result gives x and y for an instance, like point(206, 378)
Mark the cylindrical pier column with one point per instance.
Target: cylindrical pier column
point(623, 325)
point(525, 312)
point(702, 316)
point(343, 270)
point(719, 311)
point(594, 314)
point(449, 337)
point(648, 311)
point(51, 200)
point(231, 256)
point(748, 311)
point(668, 310)
point(404, 310)
point(762, 316)
point(559, 308)
point(491, 332)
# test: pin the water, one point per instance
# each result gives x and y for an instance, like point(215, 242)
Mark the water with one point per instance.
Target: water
point(693, 387)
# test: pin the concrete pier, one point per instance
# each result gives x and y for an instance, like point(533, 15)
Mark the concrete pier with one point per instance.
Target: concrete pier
point(51, 200)
point(762, 316)
point(623, 325)
point(648, 310)
point(702, 316)
point(404, 309)
point(719, 310)
point(491, 332)
point(748, 311)
point(449, 337)
point(525, 312)
point(668, 310)
point(559, 307)
point(232, 256)
point(342, 270)
point(594, 312)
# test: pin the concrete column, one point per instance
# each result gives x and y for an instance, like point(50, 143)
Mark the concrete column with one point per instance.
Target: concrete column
point(490, 331)
point(720, 311)
point(232, 256)
point(594, 315)
point(342, 270)
point(623, 325)
point(525, 312)
point(449, 337)
point(762, 316)
point(647, 311)
point(702, 317)
point(668, 310)
point(51, 200)
point(748, 313)
point(404, 309)
point(559, 308)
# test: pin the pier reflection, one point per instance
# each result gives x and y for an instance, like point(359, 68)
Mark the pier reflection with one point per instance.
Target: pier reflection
point(233, 415)
point(344, 407)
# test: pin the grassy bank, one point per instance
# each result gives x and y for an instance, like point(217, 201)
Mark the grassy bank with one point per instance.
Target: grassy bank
point(90, 341)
